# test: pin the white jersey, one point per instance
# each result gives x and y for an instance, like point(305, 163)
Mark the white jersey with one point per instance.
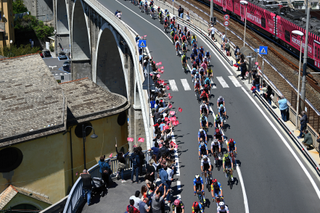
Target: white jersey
point(203, 105)
point(213, 30)
point(225, 210)
point(215, 142)
point(177, 44)
point(208, 162)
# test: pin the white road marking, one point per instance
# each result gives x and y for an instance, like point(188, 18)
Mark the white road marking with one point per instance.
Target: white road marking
point(185, 84)
point(286, 144)
point(244, 193)
point(222, 82)
point(179, 189)
point(235, 81)
point(173, 85)
point(176, 158)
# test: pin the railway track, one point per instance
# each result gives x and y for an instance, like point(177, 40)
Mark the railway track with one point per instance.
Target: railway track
point(282, 59)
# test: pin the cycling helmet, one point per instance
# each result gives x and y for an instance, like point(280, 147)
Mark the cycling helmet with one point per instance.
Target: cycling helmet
point(195, 205)
point(176, 202)
point(197, 176)
point(226, 155)
point(221, 105)
point(220, 97)
point(202, 143)
point(217, 130)
point(214, 181)
point(205, 157)
point(221, 204)
point(231, 140)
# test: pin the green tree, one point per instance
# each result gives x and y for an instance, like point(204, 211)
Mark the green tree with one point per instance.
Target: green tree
point(19, 7)
point(17, 51)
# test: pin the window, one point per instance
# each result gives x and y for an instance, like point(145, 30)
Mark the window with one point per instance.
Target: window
point(287, 35)
point(10, 159)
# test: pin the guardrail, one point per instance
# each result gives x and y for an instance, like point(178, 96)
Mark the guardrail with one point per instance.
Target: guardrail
point(75, 198)
point(127, 35)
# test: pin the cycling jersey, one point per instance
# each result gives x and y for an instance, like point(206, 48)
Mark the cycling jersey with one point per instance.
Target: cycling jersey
point(172, 33)
point(218, 134)
point(222, 109)
point(200, 210)
point(176, 38)
point(184, 46)
point(200, 56)
point(197, 84)
point(207, 54)
point(204, 95)
point(207, 81)
point(216, 188)
point(225, 210)
point(202, 134)
point(203, 149)
point(204, 65)
point(208, 162)
point(220, 101)
point(227, 161)
point(183, 58)
point(217, 119)
point(231, 145)
point(177, 44)
point(203, 108)
point(193, 37)
point(178, 207)
point(198, 183)
point(209, 70)
point(171, 25)
point(192, 56)
point(215, 143)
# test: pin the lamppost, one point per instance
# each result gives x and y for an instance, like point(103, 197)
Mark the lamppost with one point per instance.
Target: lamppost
point(211, 11)
point(298, 33)
point(93, 136)
point(245, 22)
point(10, 48)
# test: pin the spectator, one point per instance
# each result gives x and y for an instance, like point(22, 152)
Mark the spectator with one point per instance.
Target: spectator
point(105, 171)
point(143, 207)
point(243, 67)
point(157, 199)
point(227, 47)
point(303, 123)
point(131, 208)
point(121, 164)
point(136, 199)
point(141, 156)
point(144, 190)
point(87, 186)
point(269, 94)
point(318, 140)
point(256, 82)
point(283, 106)
point(135, 159)
point(237, 53)
point(307, 141)
point(223, 37)
point(119, 14)
point(117, 11)
point(212, 31)
point(188, 16)
point(180, 12)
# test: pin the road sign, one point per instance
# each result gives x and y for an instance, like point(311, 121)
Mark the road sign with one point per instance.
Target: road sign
point(226, 17)
point(142, 43)
point(263, 50)
point(226, 23)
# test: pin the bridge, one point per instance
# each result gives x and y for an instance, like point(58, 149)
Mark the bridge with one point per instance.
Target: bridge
point(272, 176)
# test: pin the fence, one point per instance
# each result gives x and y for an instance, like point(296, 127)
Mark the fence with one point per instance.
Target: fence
point(75, 199)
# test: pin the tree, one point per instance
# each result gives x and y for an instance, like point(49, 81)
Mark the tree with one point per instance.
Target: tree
point(19, 7)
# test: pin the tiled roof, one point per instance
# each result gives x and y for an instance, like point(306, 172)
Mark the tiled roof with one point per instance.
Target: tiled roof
point(8, 194)
point(88, 101)
point(32, 103)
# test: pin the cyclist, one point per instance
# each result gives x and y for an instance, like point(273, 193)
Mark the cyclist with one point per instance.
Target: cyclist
point(204, 124)
point(184, 62)
point(203, 135)
point(184, 38)
point(192, 57)
point(227, 164)
point(206, 166)
point(176, 38)
point(185, 29)
point(160, 14)
point(218, 135)
point(198, 186)
point(197, 85)
point(188, 34)
point(146, 7)
point(204, 108)
point(208, 56)
point(222, 208)
point(197, 207)
point(184, 47)
point(210, 73)
point(151, 3)
point(220, 101)
point(141, 5)
point(215, 148)
point(177, 206)
point(217, 121)
point(204, 96)
point(216, 190)
point(194, 37)
point(201, 71)
point(222, 112)
point(203, 149)
point(231, 145)
point(193, 73)
point(203, 64)
point(166, 25)
point(177, 46)
point(151, 11)
point(172, 34)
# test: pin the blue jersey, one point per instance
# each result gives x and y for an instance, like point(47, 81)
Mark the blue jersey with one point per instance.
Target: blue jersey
point(204, 148)
point(207, 54)
point(204, 132)
point(197, 182)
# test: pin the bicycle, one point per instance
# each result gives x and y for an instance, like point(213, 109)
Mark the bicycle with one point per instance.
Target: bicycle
point(233, 157)
point(216, 155)
point(228, 172)
point(201, 198)
point(207, 178)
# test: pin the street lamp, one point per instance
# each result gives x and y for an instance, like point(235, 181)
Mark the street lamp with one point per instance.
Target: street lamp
point(93, 136)
point(298, 33)
point(245, 22)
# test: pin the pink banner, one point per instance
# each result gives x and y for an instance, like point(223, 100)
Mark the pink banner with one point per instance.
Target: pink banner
point(110, 156)
point(180, 110)
point(141, 140)
point(130, 139)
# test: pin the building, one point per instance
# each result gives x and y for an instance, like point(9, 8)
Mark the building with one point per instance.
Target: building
point(41, 137)
point(6, 24)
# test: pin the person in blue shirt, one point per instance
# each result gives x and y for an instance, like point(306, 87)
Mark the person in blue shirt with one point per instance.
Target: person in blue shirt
point(135, 159)
point(104, 171)
point(283, 106)
point(203, 149)
point(202, 134)
point(198, 184)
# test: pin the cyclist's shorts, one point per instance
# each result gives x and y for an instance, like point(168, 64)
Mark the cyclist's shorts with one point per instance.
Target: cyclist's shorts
point(206, 167)
point(198, 186)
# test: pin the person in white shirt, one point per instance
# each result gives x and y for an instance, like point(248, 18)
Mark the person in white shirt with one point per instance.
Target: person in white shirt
point(136, 199)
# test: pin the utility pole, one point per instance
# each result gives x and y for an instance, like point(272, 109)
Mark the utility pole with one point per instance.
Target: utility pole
point(211, 10)
point(305, 57)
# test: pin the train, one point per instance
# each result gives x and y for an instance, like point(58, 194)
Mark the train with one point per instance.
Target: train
point(274, 20)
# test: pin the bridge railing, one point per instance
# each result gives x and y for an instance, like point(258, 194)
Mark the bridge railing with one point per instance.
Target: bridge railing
point(129, 38)
point(75, 198)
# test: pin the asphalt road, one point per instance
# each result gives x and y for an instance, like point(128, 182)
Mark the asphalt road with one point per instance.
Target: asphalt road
point(272, 178)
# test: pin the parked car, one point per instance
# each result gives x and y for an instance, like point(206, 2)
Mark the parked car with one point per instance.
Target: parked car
point(62, 56)
point(66, 66)
point(46, 53)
